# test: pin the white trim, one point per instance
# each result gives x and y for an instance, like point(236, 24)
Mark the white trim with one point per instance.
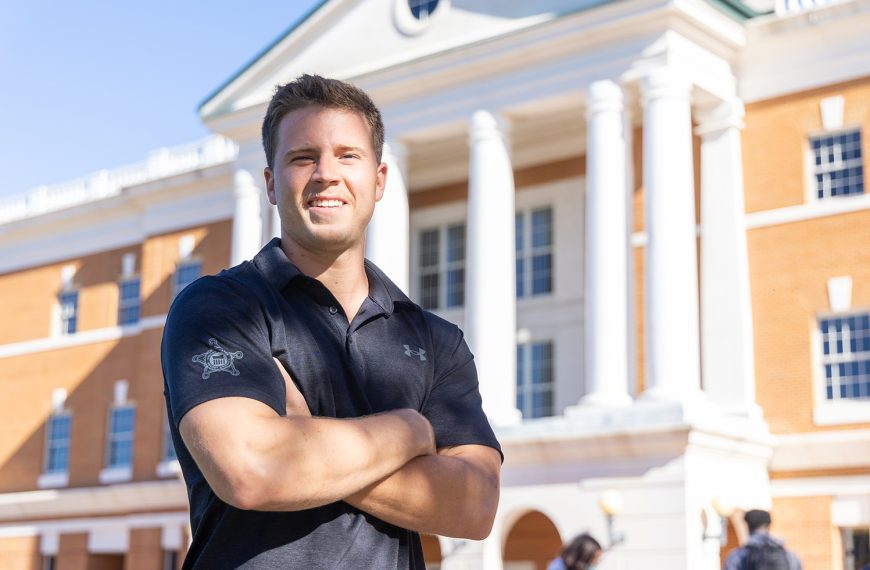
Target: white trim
point(53, 480)
point(81, 338)
point(116, 474)
point(93, 501)
point(841, 412)
point(161, 163)
point(187, 201)
point(406, 22)
point(840, 449)
point(820, 486)
point(810, 211)
point(86, 524)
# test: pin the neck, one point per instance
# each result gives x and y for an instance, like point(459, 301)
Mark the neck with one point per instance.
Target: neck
point(343, 272)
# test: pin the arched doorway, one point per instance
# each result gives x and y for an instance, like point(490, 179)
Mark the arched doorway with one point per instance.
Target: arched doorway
point(532, 543)
point(431, 551)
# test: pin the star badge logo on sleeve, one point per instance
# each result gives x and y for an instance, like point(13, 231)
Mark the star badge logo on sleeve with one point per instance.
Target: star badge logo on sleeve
point(217, 359)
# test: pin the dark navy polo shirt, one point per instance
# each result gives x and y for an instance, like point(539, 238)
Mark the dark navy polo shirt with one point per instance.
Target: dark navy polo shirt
point(221, 334)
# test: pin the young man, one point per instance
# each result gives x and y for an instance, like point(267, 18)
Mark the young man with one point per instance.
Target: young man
point(321, 418)
point(762, 551)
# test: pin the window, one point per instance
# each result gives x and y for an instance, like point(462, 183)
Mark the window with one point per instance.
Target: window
point(129, 301)
point(534, 250)
point(846, 356)
point(185, 274)
point(57, 443)
point(422, 9)
point(69, 302)
point(170, 559)
point(442, 267)
point(535, 379)
point(168, 446)
point(838, 169)
point(119, 451)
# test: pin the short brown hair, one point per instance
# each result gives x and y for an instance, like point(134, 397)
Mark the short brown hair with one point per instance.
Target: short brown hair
point(314, 90)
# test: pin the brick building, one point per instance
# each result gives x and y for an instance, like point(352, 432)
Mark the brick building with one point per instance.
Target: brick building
point(656, 209)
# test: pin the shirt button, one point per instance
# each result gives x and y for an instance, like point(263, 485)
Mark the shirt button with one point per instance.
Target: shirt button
point(333, 310)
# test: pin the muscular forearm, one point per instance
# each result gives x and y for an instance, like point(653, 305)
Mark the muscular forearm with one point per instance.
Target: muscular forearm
point(294, 463)
point(436, 494)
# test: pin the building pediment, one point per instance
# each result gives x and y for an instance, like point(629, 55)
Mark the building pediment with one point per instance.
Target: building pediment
point(353, 38)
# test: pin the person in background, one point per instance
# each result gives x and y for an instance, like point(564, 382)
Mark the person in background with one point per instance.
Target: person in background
point(582, 553)
point(762, 551)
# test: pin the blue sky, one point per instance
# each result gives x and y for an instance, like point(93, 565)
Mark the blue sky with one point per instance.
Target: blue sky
point(88, 85)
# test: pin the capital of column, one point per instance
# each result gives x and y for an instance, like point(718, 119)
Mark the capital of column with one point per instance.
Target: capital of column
point(244, 184)
point(723, 116)
point(487, 126)
point(396, 153)
point(664, 83)
point(604, 96)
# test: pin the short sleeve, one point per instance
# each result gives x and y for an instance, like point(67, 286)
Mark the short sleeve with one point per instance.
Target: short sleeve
point(215, 345)
point(454, 406)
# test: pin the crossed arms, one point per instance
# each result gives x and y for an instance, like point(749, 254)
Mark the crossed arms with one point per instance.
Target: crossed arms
point(385, 464)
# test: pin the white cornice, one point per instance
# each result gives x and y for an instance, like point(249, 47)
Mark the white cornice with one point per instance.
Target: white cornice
point(169, 204)
point(820, 486)
point(823, 450)
point(789, 54)
point(93, 501)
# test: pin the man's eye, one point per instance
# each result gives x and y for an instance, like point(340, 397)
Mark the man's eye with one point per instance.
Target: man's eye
point(349, 155)
point(303, 159)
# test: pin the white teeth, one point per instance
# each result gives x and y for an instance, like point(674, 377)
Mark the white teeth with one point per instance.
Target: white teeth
point(326, 203)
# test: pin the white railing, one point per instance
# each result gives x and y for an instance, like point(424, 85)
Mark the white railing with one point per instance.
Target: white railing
point(784, 7)
point(160, 164)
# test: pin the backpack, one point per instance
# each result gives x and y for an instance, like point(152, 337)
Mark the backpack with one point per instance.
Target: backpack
point(767, 556)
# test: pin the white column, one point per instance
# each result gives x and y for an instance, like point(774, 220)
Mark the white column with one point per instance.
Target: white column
point(670, 274)
point(726, 311)
point(247, 223)
point(490, 270)
point(387, 237)
point(606, 274)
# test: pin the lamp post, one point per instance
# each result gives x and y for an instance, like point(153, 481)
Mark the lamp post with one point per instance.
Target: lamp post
point(724, 510)
point(611, 503)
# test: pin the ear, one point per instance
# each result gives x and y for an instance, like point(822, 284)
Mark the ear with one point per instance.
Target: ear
point(270, 186)
point(380, 181)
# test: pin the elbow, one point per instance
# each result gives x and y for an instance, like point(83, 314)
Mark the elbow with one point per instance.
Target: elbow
point(242, 490)
point(480, 522)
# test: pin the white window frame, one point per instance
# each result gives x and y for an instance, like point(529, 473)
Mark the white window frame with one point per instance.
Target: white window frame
point(441, 216)
point(528, 251)
point(118, 473)
point(528, 387)
point(811, 168)
point(129, 304)
point(833, 412)
point(64, 318)
point(51, 479)
point(189, 261)
point(168, 466)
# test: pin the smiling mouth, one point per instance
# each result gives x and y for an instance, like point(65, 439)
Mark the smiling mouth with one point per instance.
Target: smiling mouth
point(325, 203)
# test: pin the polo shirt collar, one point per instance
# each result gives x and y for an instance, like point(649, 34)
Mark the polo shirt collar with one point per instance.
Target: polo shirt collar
point(280, 271)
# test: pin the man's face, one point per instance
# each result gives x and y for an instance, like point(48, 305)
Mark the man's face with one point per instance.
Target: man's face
point(326, 179)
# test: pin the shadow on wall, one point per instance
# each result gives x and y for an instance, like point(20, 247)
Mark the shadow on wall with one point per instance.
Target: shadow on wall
point(89, 373)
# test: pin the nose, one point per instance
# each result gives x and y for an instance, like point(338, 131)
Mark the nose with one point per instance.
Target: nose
point(326, 172)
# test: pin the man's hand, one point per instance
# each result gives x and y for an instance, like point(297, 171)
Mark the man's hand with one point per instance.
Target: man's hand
point(295, 401)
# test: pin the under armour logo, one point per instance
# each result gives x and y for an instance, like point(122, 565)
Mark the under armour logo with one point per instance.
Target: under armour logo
point(415, 352)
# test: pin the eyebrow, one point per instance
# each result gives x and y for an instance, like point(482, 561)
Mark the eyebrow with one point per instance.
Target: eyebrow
point(339, 148)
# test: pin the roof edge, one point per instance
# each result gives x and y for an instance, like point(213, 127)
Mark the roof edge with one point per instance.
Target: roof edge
point(302, 19)
point(737, 9)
